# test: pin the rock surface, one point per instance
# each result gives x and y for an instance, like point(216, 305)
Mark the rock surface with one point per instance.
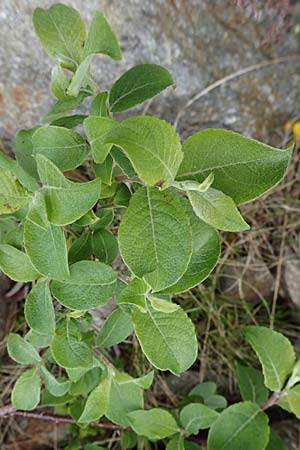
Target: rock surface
point(199, 41)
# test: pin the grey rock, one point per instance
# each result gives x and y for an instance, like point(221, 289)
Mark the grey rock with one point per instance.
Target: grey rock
point(199, 41)
point(291, 275)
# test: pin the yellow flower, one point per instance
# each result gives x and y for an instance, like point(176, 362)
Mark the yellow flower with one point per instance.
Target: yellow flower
point(296, 131)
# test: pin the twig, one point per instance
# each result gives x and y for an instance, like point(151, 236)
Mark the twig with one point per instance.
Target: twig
point(271, 401)
point(230, 77)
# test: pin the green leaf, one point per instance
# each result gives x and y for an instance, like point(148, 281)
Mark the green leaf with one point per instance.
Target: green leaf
point(241, 426)
point(116, 328)
point(159, 304)
point(59, 83)
point(65, 201)
point(123, 399)
point(243, 168)
point(134, 294)
point(137, 85)
point(217, 209)
point(205, 253)
point(104, 170)
point(275, 353)
point(64, 147)
point(128, 439)
point(13, 196)
point(152, 145)
point(99, 105)
point(105, 218)
point(97, 402)
point(21, 351)
point(293, 398)
point(91, 284)
point(61, 107)
point(154, 231)
point(168, 340)
point(68, 351)
point(101, 38)
point(143, 382)
point(275, 442)
point(96, 129)
point(16, 264)
point(61, 32)
point(195, 417)
point(38, 340)
point(81, 248)
point(155, 423)
point(39, 310)
point(81, 77)
point(204, 390)
point(26, 391)
point(216, 402)
point(176, 443)
point(24, 151)
point(55, 387)
point(69, 121)
point(45, 243)
point(251, 384)
point(87, 382)
point(122, 196)
point(123, 162)
point(105, 246)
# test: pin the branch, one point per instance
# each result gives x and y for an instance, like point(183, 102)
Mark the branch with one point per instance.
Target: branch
point(8, 411)
point(271, 401)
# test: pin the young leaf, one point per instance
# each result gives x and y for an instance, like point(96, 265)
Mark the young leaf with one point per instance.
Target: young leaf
point(217, 402)
point(195, 417)
point(293, 398)
point(204, 390)
point(39, 311)
point(65, 201)
point(45, 243)
point(122, 196)
point(65, 148)
point(162, 305)
point(98, 105)
point(251, 384)
point(241, 426)
point(123, 399)
point(13, 196)
point(81, 248)
point(24, 151)
point(80, 78)
point(104, 170)
point(116, 328)
point(143, 382)
point(91, 284)
point(61, 107)
point(96, 129)
point(134, 294)
point(87, 382)
point(217, 209)
point(61, 32)
point(59, 83)
point(69, 121)
point(123, 162)
point(105, 246)
point(38, 340)
point(101, 39)
point(176, 443)
point(205, 253)
point(26, 391)
point(55, 387)
point(21, 351)
point(168, 340)
point(275, 353)
point(157, 142)
point(137, 85)
point(128, 439)
point(243, 168)
point(68, 351)
point(155, 423)
point(16, 264)
point(154, 231)
point(97, 402)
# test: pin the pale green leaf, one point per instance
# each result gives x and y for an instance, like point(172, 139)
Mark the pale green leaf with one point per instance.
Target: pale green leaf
point(159, 304)
point(123, 399)
point(154, 231)
point(21, 351)
point(105, 246)
point(80, 78)
point(155, 423)
point(99, 105)
point(38, 340)
point(10, 165)
point(128, 439)
point(68, 351)
point(241, 426)
point(96, 129)
point(216, 401)
point(24, 151)
point(134, 294)
point(122, 195)
point(275, 353)
point(54, 386)
point(59, 83)
point(91, 284)
point(137, 85)
point(176, 443)
point(26, 391)
point(13, 195)
point(104, 170)
point(97, 402)
point(65, 148)
point(16, 264)
point(293, 398)
point(39, 310)
point(204, 390)
point(81, 248)
point(195, 417)
point(45, 243)
point(123, 162)
point(101, 38)
point(66, 201)
point(61, 107)
point(116, 328)
point(143, 382)
point(69, 121)
point(251, 384)
point(217, 209)
point(152, 145)
point(87, 382)
point(243, 168)
point(205, 253)
point(61, 32)
point(168, 340)
point(275, 442)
